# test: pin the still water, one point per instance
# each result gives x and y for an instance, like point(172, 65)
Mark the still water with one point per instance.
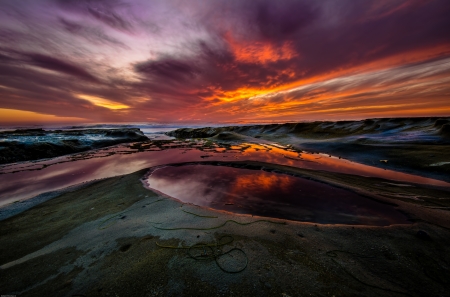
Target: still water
point(270, 194)
point(24, 180)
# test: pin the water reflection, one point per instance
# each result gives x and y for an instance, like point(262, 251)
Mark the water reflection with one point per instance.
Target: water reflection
point(27, 179)
point(270, 194)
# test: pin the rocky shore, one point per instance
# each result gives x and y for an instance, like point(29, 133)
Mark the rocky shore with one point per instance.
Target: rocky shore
point(439, 128)
point(413, 145)
point(33, 144)
point(118, 236)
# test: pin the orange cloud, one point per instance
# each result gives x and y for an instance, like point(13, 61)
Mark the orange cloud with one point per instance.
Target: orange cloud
point(244, 93)
point(260, 51)
point(103, 102)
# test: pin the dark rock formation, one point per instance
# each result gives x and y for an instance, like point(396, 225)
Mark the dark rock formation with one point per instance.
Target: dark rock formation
point(325, 129)
point(412, 145)
point(226, 135)
point(440, 122)
point(24, 132)
point(445, 130)
point(56, 143)
point(197, 132)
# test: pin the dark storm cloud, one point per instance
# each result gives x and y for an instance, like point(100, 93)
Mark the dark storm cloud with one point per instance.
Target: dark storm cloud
point(110, 18)
point(110, 12)
point(30, 89)
point(92, 34)
point(278, 20)
point(171, 69)
point(55, 64)
point(37, 92)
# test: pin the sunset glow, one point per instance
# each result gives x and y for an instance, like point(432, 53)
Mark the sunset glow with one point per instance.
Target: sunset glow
point(222, 61)
point(103, 102)
point(12, 116)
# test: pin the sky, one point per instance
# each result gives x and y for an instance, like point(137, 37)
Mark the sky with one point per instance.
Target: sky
point(222, 61)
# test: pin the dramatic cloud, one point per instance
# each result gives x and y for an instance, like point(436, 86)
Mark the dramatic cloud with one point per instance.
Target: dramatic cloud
point(61, 66)
point(224, 60)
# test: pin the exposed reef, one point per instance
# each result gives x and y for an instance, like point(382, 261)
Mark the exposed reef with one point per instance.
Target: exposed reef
point(227, 135)
point(34, 144)
point(432, 127)
point(414, 145)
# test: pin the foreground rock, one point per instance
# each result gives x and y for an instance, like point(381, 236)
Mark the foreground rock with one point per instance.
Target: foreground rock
point(34, 144)
point(116, 238)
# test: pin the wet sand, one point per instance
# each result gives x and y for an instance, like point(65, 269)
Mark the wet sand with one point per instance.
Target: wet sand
point(114, 237)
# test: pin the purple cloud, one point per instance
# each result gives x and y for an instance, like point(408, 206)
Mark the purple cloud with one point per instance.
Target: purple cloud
point(197, 58)
point(55, 64)
point(111, 13)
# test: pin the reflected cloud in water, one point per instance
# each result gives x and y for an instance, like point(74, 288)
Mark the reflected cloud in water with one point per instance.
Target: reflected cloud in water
point(270, 194)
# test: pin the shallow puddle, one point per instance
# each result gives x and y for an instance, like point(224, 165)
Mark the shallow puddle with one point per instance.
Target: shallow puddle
point(270, 194)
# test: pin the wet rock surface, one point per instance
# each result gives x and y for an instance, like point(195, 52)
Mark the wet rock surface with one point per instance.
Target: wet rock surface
point(413, 145)
point(419, 130)
point(114, 237)
point(33, 144)
point(77, 245)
